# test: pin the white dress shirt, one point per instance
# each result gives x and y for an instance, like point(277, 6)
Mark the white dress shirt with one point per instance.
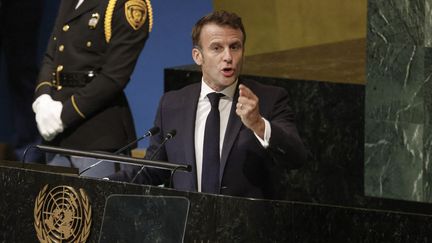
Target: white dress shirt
point(203, 109)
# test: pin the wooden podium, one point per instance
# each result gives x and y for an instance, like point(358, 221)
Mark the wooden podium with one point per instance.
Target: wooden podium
point(28, 207)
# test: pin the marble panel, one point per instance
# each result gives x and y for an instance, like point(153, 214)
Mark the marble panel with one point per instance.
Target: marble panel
point(396, 21)
point(394, 160)
point(428, 23)
point(394, 124)
point(398, 100)
point(395, 75)
point(427, 136)
point(315, 223)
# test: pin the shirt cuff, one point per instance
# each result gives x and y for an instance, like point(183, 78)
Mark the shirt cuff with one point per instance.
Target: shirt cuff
point(267, 132)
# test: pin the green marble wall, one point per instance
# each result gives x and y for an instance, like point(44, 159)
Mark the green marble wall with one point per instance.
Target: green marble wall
point(398, 100)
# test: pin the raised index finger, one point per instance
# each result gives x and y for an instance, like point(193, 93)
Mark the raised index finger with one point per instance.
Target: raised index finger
point(246, 92)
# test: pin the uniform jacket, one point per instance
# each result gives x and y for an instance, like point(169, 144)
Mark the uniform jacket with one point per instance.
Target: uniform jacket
point(247, 169)
point(100, 36)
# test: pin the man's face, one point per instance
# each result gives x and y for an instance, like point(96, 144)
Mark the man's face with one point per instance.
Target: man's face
point(220, 55)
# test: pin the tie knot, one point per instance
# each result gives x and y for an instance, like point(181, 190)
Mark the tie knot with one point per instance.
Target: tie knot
point(214, 98)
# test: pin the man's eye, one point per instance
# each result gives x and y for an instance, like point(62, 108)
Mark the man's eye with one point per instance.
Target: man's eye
point(216, 48)
point(236, 47)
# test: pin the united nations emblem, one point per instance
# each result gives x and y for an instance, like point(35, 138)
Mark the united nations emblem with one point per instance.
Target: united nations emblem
point(62, 215)
point(136, 13)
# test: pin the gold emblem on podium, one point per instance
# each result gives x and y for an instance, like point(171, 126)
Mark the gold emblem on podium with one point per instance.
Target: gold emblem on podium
point(62, 215)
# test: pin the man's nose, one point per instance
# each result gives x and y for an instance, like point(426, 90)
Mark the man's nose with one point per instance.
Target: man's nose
point(227, 55)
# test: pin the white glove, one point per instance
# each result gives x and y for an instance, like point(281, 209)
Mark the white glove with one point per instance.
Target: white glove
point(48, 119)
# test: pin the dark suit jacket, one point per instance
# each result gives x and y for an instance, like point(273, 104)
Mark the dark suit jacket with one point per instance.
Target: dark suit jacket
point(91, 38)
point(247, 169)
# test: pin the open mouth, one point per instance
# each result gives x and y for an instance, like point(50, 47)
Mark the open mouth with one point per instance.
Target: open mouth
point(228, 72)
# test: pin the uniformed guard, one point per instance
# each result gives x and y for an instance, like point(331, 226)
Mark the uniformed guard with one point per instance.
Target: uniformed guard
point(80, 103)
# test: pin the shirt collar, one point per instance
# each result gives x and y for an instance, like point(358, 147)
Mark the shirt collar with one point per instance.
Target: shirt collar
point(228, 91)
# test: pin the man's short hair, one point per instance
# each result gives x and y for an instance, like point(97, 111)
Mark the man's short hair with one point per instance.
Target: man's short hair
point(220, 18)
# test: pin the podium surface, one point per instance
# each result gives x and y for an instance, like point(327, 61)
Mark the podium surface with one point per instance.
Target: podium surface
point(140, 218)
point(211, 218)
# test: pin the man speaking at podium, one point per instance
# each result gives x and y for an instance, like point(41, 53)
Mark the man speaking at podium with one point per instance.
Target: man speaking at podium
point(80, 103)
point(236, 134)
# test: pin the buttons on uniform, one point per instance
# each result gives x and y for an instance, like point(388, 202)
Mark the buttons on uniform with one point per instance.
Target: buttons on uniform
point(61, 47)
point(89, 44)
point(58, 85)
point(54, 38)
point(65, 27)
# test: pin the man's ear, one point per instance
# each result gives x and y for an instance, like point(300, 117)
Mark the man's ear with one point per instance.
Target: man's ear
point(197, 56)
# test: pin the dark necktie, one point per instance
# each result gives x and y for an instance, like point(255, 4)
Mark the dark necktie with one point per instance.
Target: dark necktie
point(211, 157)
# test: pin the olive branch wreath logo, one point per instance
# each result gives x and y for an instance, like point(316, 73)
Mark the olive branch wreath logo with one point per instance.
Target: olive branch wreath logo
point(62, 215)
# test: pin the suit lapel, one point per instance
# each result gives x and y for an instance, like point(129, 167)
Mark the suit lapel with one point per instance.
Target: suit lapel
point(231, 133)
point(86, 6)
point(188, 119)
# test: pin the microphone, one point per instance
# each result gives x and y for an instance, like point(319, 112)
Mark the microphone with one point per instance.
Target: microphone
point(167, 137)
point(151, 132)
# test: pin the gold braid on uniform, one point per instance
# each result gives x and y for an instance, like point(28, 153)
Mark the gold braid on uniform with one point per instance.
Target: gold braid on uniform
point(76, 107)
point(108, 19)
point(150, 14)
point(42, 84)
